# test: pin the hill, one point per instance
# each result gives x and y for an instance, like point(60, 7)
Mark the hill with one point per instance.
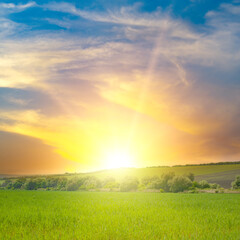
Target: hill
point(221, 173)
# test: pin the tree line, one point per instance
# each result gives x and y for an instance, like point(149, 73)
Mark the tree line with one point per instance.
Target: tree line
point(168, 182)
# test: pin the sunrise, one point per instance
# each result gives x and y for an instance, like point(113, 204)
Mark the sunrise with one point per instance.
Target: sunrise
point(103, 97)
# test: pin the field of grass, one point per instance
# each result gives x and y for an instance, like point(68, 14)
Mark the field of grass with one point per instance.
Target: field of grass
point(94, 215)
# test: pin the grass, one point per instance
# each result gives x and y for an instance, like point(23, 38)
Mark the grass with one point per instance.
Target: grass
point(94, 215)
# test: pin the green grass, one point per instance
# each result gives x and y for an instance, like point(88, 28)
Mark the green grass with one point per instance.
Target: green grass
point(94, 215)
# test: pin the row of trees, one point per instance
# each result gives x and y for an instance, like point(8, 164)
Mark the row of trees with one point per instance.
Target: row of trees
point(168, 182)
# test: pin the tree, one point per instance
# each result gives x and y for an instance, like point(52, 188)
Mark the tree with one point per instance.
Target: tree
point(19, 183)
point(7, 184)
point(204, 184)
point(236, 183)
point(179, 184)
point(165, 178)
point(75, 183)
point(31, 185)
point(214, 185)
point(156, 183)
point(62, 183)
point(191, 176)
point(129, 184)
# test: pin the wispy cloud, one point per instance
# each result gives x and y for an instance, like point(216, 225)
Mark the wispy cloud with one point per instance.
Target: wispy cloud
point(145, 69)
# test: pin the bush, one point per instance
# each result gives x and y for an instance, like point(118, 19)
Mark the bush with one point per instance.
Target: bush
point(165, 179)
point(190, 176)
point(7, 184)
point(179, 184)
point(195, 184)
point(19, 183)
point(156, 183)
point(111, 185)
point(31, 185)
point(214, 185)
point(236, 183)
point(129, 184)
point(72, 186)
point(204, 184)
point(62, 183)
point(148, 180)
point(92, 183)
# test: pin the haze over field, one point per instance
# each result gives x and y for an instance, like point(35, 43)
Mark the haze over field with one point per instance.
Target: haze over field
point(89, 85)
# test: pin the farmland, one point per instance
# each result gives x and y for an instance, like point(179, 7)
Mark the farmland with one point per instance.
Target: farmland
point(96, 215)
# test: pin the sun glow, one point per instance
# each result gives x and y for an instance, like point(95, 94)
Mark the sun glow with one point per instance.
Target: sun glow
point(118, 158)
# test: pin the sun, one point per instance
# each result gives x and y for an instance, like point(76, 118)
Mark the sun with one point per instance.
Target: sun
point(118, 158)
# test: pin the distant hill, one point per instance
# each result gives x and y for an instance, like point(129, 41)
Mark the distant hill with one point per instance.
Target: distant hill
point(221, 173)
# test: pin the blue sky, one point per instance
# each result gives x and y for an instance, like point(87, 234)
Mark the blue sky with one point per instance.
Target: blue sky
point(95, 73)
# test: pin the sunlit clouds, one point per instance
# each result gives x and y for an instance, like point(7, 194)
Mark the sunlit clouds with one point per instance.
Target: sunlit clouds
point(82, 81)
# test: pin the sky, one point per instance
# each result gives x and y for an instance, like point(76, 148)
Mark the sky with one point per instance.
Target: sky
point(89, 85)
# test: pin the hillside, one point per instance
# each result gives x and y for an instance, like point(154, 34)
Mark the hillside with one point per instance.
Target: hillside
point(223, 174)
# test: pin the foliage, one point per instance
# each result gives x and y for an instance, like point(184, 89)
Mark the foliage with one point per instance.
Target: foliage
point(167, 182)
point(179, 184)
point(236, 183)
point(214, 185)
point(73, 184)
point(204, 184)
point(190, 175)
point(129, 184)
point(165, 179)
point(31, 184)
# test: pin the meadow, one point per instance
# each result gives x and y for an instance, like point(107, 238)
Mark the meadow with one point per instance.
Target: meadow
point(112, 215)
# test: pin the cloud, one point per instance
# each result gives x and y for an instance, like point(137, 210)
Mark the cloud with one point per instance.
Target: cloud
point(151, 74)
point(21, 154)
point(7, 26)
point(7, 8)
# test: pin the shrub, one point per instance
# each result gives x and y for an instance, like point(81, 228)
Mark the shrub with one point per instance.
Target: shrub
point(141, 187)
point(129, 184)
point(72, 186)
point(236, 183)
point(7, 184)
point(156, 183)
point(165, 179)
point(31, 185)
point(195, 184)
point(19, 183)
point(111, 185)
point(148, 180)
point(214, 185)
point(179, 184)
point(62, 183)
point(190, 176)
point(204, 184)
point(92, 183)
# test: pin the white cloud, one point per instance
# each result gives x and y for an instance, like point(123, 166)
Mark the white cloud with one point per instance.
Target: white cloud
point(7, 8)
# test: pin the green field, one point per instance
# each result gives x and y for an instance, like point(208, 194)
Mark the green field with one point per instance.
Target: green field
point(95, 215)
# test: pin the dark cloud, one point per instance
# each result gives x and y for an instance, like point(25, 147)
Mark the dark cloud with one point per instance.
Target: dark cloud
point(21, 154)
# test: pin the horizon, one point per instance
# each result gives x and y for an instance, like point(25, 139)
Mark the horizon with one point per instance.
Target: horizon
point(94, 85)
